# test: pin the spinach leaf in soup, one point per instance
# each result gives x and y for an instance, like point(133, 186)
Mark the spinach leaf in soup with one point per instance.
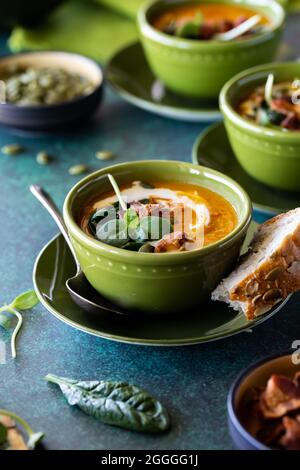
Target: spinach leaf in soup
point(114, 232)
point(104, 214)
point(153, 228)
point(115, 403)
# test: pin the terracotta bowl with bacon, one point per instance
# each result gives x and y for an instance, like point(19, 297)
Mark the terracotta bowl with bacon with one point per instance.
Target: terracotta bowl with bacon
point(261, 108)
point(264, 404)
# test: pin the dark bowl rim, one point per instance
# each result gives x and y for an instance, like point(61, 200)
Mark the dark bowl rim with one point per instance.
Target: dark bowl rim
point(229, 112)
point(201, 45)
point(231, 409)
point(45, 107)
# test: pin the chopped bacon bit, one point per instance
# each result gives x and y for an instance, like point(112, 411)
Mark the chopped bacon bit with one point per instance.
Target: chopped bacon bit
point(281, 395)
point(282, 105)
point(207, 30)
point(291, 121)
point(171, 242)
point(277, 411)
point(224, 26)
point(144, 210)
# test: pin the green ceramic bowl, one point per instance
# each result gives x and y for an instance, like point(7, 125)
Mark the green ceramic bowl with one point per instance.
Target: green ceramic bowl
point(160, 282)
point(200, 68)
point(271, 156)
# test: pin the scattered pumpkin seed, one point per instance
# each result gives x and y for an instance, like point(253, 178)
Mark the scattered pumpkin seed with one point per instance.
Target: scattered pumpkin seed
point(104, 155)
point(43, 158)
point(78, 169)
point(12, 149)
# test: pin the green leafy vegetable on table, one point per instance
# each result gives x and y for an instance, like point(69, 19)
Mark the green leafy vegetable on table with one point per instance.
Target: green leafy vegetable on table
point(24, 301)
point(115, 403)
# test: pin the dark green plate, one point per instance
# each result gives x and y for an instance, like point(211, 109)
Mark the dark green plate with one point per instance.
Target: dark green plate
point(212, 149)
point(129, 74)
point(210, 322)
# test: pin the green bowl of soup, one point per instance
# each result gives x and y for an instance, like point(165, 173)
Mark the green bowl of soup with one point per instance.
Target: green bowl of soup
point(183, 50)
point(265, 134)
point(187, 257)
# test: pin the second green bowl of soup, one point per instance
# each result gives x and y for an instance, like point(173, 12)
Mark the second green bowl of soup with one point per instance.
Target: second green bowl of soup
point(156, 282)
point(269, 154)
point(199, 68)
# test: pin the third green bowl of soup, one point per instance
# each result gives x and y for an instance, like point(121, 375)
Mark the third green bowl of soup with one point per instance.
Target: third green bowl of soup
point(263, 122)
point(177, 233)
point(184, 48)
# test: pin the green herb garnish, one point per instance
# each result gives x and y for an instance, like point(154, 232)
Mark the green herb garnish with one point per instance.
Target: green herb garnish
point(191, 29)
point(119, 225)
point(24, 301)
point(115, 403)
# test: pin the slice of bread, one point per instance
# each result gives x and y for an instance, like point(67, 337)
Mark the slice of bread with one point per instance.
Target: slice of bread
point(269, 271)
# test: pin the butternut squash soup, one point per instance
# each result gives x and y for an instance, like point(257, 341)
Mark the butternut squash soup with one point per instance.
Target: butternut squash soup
point(159, 217)
point(273, 105)
point(206, 20)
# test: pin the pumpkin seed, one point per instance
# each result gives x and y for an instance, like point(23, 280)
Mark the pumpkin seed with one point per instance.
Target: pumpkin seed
point(261, 310)
point(12, 149)
point(43, 158)
point(272, 294)
point(274, 273)
point(256, 299)
point(104, 155)
point(31, 86)
point(78, 169)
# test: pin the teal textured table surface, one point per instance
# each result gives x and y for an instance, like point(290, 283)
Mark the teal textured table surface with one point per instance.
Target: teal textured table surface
point(192, 382)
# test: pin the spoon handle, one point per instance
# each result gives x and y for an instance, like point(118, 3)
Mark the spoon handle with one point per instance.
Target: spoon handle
point(47, 201)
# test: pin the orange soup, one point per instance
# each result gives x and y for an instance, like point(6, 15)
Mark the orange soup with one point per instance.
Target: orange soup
point(159, 217)
point(212, 18)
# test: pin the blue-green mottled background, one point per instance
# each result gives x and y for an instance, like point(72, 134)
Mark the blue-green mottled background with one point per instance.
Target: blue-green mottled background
point(192, 382)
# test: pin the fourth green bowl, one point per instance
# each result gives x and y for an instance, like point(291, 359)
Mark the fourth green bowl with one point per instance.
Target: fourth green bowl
point(269, 155)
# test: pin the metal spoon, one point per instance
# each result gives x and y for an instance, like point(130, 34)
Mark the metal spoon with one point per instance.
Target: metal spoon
point(238, 30)
point(85, 296)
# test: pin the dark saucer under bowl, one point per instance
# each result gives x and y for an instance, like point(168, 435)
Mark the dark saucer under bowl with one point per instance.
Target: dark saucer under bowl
point(242, 427)
point(65, 114)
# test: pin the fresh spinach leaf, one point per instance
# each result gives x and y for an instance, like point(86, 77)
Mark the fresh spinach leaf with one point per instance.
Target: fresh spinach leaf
point(133, 245)
point(116, 403)
point(113, 232)
point(154, 227)
point(275, 117)
point(191, 29)
point(103, 215)
point(131, 218)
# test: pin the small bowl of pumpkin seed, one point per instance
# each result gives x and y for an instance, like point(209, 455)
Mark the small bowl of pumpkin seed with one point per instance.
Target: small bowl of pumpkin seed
point(48, 89)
